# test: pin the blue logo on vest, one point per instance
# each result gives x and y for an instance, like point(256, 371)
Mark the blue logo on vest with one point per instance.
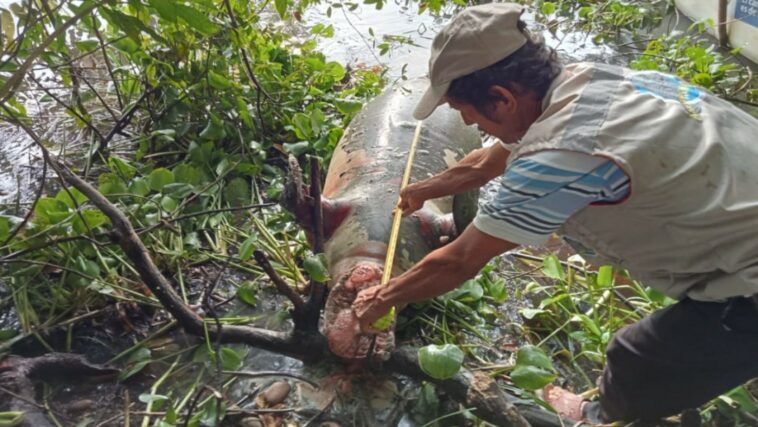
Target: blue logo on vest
point(669, 88)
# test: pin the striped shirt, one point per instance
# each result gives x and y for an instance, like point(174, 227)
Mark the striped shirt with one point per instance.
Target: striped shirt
point(539, 192)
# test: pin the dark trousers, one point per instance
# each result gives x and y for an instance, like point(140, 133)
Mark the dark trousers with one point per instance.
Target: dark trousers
point(678, 358)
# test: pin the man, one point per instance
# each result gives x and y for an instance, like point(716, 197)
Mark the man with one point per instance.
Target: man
point(637, 169)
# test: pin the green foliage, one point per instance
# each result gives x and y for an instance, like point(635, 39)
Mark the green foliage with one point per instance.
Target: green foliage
point(315, 266)
point(533, 370)
point(696, 60)
point(440, 361)
point(218, 96)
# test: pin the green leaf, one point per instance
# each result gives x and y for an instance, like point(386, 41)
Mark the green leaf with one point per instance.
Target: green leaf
point(548, 8)
point(159, 178)
point(530, 313)
point(246, 249)
point(230, 359)
point(440, 361)
point(552, 268)
point(242, 110)
point(5, 228)
point(94, 218)
point(6, 334)
point(139, 187)
point(296, 149)
point(315, 266)
point(187, 174)
point(136, 363)
point(533, 356)
point(11, 418)
point(213, 131)
point(302, 123)
point(149, 398)
point(588, 323)
point(218, 81)
point(348, 107)
point(178, 190)
point(428, 403)
point(66, 197)
point(281, 7)
point(470, 291)
point(248, 293)
point(9, 28)
point(531, 377)
point(126, 23)
point(171, 10)
point(49, 211)
point(605, 276)
point(122, 167)
point(169, 204)
point(110, 183)
point(497, 291)
point(237, 192)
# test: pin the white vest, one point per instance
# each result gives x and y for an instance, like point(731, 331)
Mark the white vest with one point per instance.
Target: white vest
point(690, 224)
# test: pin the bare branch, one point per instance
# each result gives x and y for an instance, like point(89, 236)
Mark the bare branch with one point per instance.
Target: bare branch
point(317, 290)
point(280, 284)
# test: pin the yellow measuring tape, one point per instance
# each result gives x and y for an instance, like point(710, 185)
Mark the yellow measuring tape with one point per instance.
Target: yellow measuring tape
point(385, 321)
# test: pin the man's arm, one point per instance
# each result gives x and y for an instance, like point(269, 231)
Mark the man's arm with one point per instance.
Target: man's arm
point(439, 272)
point(476, 169)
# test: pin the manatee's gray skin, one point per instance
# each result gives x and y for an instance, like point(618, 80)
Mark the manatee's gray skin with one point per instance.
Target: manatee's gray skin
point(361, 191)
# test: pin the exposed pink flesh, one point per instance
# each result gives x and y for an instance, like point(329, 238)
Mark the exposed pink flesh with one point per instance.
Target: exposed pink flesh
point(341, 326)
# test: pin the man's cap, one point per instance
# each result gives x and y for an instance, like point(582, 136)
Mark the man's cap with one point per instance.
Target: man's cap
point(475, 38)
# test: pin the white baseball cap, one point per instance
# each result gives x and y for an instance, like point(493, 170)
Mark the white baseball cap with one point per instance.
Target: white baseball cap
point(475, 38)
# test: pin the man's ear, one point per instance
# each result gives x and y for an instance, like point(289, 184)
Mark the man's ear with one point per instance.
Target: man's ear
point(505, 102)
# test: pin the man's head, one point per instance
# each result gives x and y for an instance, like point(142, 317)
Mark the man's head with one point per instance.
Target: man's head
point(486, 65)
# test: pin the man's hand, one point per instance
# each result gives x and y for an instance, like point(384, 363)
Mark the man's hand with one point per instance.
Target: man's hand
point(368, 308)
point(411, 199)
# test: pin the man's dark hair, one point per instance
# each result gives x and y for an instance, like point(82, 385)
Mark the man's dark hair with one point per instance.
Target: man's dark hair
point(531, 68)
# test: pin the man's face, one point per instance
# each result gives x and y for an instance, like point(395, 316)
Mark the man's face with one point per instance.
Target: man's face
point(508, 120)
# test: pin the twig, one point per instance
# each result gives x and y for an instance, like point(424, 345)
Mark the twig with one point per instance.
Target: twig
point(206, 212)
point(192, 405)
point(125, 119)
point(107, 62)
point(248, 66)
point(279, 283)
point(211, 310)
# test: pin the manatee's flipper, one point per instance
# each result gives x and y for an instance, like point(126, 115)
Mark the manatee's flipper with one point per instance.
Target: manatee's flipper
point(465, 206)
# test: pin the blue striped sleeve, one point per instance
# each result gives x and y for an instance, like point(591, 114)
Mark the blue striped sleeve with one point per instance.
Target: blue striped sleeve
point(539, 192)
